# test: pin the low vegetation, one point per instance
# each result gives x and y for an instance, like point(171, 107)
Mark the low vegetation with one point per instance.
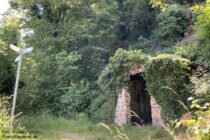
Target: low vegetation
point(81, 129)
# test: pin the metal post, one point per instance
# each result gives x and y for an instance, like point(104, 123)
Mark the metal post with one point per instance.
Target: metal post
point(16, 87)
point(21, 51)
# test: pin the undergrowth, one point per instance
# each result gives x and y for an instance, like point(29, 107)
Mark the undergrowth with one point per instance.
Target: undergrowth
point(57, 128)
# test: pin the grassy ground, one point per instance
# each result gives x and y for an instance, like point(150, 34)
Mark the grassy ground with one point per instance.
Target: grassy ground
point(54, 128)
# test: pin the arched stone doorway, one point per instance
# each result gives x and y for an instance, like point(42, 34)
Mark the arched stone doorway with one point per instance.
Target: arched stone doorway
point(140, 101)
point(136, 99)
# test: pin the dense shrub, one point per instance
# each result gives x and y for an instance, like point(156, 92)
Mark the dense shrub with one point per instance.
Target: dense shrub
point(143, 43)
point(116, 73)
point(197, 52)
point(196, 47)
point(4, 117)
point(167, 77)
point(172, 24)
point(197, 121)
point(141, 16)
point(17, 132)
point(203, 24)
point(7, 77)
point(77, 99)
point(201, 87)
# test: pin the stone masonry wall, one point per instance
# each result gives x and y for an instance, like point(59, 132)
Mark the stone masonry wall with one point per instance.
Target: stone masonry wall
point(156, 113)
point(123, 112)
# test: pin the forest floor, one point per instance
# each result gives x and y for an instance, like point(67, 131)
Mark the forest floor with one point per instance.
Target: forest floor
point(54, 128)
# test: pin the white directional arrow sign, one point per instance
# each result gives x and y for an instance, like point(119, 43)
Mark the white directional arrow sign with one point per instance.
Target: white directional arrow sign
point(21, 51)
point(13, 47)
point(17, 59)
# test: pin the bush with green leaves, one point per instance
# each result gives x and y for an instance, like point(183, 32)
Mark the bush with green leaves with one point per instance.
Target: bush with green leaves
point(6, 132)
point(196, 47)
point(142, 43)
point(5, 120)
point(172, 24)
point(196, 121)
point(167, 77)
point(196, 51)
point(199, 126)
point(117, 72)
point(202, 24)
point(77, 99)
point(201, 86)
point(141, 16)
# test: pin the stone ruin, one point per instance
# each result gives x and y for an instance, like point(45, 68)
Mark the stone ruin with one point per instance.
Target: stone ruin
point(136, 106)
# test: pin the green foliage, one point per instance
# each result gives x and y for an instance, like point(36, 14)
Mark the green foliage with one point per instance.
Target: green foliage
point(74, 40)
point(167, 77)
point(172, 24)
point(173, 21)
point(159, 3)
point(7, 77)
point(58, 128)
point(118, 132)
point(201, 86)
point(66, 69)
point(9, 33)
point(203, 19)
point(200, 125)
point(116, 73)
point(143, 44)
point(98, 110)
point(91, 68)
point(189, 51)
point(4, 117)
point(77, 98)
point(103, 110)
point(197, 121)
point(196, 51)
point(141, 16)
point(163, 4)
point(5, 120)
point(196, 48)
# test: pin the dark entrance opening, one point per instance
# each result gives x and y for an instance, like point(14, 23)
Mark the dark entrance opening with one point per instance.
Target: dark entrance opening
point(140, 101)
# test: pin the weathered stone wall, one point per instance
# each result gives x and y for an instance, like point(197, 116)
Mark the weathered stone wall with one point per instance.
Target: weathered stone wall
point(123, 112)
point(156, 113)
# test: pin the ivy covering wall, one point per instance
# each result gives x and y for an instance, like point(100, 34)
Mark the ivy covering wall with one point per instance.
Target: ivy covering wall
point(167, 79)
point(120, 67)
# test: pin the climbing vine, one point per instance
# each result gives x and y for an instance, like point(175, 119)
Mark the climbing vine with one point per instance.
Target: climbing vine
point(121, 65)
point(116, 75)
point(167, 78)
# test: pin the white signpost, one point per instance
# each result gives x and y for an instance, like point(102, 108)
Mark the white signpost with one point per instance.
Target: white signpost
point(19, 60)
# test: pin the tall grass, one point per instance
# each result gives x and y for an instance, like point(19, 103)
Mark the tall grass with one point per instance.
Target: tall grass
point(55, 128)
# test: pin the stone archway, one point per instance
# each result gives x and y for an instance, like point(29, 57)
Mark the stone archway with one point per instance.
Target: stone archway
point(136, 99)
